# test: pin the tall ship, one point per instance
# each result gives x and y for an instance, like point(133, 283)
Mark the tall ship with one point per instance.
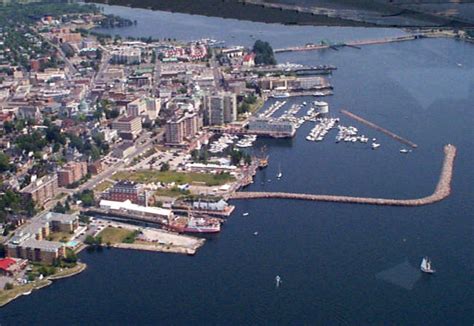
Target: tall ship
point(426, 266)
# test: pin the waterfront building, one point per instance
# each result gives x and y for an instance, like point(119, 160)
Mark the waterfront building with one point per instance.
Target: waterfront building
point(71, 172)
point(41, 190)
point(271, 127)
point(128, 207)
point(128, 127)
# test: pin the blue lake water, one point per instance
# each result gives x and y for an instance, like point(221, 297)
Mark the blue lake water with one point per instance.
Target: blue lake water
point(341, 264)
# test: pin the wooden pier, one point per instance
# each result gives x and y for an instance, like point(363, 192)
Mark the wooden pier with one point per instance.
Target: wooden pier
point(442, 190)
point(376, 127)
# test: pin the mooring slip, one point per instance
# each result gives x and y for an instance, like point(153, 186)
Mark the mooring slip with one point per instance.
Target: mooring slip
point(442, 190)
point(376, 127)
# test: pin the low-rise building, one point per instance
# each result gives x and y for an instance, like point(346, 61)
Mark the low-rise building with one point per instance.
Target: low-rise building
point(271, 127)
point(124, 150)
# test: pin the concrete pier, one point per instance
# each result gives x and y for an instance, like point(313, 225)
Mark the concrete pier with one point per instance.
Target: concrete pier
point(442, 190)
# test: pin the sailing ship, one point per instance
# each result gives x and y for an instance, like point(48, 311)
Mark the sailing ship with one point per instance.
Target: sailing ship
point(278, 280)
point(279, 175)
point(426, 266)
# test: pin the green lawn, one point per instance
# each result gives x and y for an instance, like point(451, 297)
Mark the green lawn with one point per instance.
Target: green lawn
point(60, 236)
point(147, 176)
point(114, 235)
point(173, 192)
point(104, 185)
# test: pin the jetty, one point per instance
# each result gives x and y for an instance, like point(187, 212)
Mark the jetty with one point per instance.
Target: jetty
point(442, 190)
point(376, 127)
point(353, 44)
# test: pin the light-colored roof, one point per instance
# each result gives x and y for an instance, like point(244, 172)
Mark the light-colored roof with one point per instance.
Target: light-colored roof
point(129, 206)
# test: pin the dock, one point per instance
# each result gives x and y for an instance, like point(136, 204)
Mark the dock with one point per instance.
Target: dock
point(442, 190)
point(354, 44)
point(376, 127)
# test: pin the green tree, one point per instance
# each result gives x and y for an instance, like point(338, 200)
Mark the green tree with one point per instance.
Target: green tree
point(8, 286)
point(4, 162)
point(263, 53)
point(165, 167)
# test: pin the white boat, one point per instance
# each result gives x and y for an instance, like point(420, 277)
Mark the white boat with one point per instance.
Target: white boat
point(375, 145)
point(426, 266)
point(404, 151)
point(278, 280)
point(281, 95)
point(255, 233)
point(279, 175)
point(245, 214)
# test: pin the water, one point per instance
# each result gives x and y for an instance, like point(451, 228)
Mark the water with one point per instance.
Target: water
point(340, 264)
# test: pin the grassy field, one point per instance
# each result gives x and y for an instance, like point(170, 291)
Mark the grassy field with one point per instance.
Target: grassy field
point(173, 192)
point(104, 185)
point(114, 235)
point(147, 176)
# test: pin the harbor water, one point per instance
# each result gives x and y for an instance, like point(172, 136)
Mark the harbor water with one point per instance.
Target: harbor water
point(340, 264)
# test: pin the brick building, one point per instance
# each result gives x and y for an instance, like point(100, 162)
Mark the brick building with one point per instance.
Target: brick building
point(71, 172)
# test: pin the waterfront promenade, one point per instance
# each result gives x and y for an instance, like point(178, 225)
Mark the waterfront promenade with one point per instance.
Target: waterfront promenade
point(442, 190)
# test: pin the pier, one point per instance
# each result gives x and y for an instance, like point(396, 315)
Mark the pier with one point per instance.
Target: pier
point(376, 127)
point(353, 44)
point(442, 190)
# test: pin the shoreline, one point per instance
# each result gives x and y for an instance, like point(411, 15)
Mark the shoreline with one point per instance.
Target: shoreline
point(26, 289)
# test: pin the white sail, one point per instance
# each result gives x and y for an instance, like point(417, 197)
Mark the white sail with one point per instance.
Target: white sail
point(424, 264)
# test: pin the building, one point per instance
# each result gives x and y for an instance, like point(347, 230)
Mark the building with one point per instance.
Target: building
point(177, 130)
point(36, 250)
point(41, 190)
point(58, 222)
point(220, 109)
point(249, 60)
point(127, 190)
point(156, 213)
point(124, 150)
point(206, 205)
point(30, 243)
point(95, 167)
point(147, 108)
point(271, 127)
point(128, 127)
point(71, 172)
point(11, 267)
point(126, 55)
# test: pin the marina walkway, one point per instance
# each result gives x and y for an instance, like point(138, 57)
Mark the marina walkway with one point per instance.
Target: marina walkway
point(443, 189)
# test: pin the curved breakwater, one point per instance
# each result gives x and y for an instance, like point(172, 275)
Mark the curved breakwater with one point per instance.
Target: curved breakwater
point(442, 190)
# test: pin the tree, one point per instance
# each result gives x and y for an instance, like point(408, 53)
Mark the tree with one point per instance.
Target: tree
point(165, 167)
point(8, 286)
point(4, 162)
point(263, 53)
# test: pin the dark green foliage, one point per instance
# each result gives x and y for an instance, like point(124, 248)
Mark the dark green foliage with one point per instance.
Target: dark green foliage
point(263, 53)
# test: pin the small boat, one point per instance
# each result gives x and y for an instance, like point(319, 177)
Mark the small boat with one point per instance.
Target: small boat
point(255, 233)
point(279, 175)
point(278, 280)
point(375, 145)
point(426, 266)
point(404, 151)
point(245, 214)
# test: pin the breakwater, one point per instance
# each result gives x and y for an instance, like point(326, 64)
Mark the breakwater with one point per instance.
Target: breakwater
point(442, 190)
point(376, 127)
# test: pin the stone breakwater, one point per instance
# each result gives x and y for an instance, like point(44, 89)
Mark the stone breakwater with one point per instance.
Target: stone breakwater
point(442, 190)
